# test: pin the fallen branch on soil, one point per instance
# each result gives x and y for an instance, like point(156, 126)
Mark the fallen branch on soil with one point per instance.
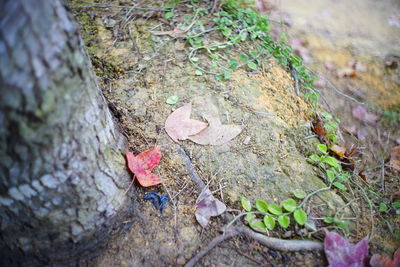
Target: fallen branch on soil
point(116, 6)
point(270, 242)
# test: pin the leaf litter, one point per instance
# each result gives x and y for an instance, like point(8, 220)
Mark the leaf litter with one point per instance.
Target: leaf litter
point(208, 206)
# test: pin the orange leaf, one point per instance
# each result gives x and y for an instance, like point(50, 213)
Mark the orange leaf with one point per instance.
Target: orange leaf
point(142, 164)
point(338, 150)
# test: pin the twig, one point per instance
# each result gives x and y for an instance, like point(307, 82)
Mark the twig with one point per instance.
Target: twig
point(252, 258)
point(270, 242)
point(116, 6)
point(193, 174)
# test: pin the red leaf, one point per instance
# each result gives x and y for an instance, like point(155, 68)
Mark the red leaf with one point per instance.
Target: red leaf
point(142, 164)
point(179, 125)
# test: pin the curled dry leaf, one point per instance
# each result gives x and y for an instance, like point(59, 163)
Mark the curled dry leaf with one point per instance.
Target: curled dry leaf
point(341, 253)
point(179, 125)
point(395, 158)
point(207, 207)
point(142, 164)
point(217, 133)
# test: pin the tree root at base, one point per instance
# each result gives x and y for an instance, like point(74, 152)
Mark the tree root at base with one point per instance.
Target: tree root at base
point(270, 242)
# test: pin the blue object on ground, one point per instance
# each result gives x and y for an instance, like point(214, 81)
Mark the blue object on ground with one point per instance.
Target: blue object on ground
point(159, 201)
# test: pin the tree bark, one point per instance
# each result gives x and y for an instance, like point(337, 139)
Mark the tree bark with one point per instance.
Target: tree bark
point(62, 172)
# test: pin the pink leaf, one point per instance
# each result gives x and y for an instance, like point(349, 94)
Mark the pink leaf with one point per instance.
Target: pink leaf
point(381, 261)
point(207, 207)
point(179, 125)
point(341, 253)
point(217, 133)
point(142, 164)
point(362, 114)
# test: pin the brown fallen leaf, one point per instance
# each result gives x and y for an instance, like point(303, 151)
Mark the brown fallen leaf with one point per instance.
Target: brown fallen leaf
point(395, 158)
point(338, 150)
point(179, 125)
point(216, 133)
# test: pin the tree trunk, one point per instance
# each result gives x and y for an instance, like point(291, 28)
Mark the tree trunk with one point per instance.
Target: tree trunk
point(62, 172)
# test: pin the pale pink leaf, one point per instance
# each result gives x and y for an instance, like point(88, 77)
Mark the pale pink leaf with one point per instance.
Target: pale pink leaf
point(362, 114)
point(207, 207)
point(179, 125)
point(217, 133)
point(381, 261)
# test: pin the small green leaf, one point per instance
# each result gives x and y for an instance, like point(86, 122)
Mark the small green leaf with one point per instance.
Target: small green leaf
point(244, 57)
point(396, 204)
point(284, 221)
point(331, 175)
point(227, 75)
point(300, 216)
point(275, 209)
point(322, 147)
point(315, 157)
point(172, 99)
point(261, 206)
point(245, 203)
point(259, 225)
point(344, 176)
point(339, 185)
point(249, 217)
point(194, 59)
point(169, 15)
point(198, 72)
point(289, 204)
point(233, 64)
point(331, 161)
point(300, 194)
point(327, 115)
point(252, 65)
point(383, 207)
point(269, 222)
point(328, 220)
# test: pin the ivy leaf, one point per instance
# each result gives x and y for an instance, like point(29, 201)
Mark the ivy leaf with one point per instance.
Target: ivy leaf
point(341, 252)
point(300, 194)
point(269, 222)
point(289, 204)
point(284, 221)
point(328, 220)
point(383, 207)
point(259, 226)
point(252, 65)
point(339, 185)
point(142, 164)
point(249, 218)
point(275, 209)
point(331, 161)
point(331, 175)
point(245, 203)
point(322, 147)
point(300, 216)
point(315, 157)
point(261, 206)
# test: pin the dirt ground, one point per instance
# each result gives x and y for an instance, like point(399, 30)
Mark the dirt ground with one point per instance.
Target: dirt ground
point(138, 71)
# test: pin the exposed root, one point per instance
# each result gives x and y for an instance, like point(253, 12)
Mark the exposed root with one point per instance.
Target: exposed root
point(270, 242)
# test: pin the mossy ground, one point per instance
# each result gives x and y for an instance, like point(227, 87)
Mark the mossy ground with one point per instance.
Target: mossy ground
point(138, 71)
